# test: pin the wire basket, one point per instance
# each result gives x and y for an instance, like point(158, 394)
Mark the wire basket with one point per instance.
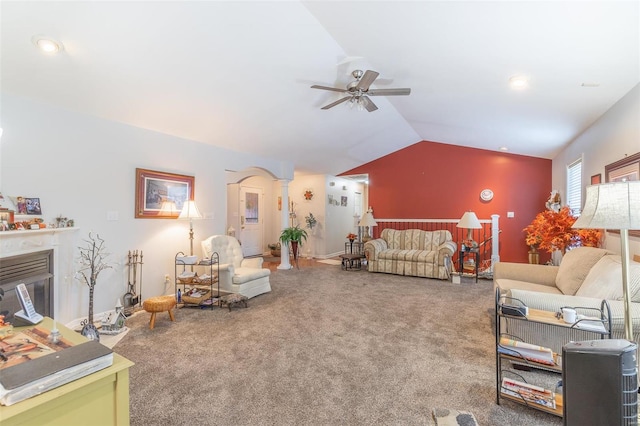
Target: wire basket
point(207, 280)
point(202, 295)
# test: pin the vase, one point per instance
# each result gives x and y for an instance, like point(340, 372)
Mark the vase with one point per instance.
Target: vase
point(89, 330)
point(294, 250)
point(534, 256)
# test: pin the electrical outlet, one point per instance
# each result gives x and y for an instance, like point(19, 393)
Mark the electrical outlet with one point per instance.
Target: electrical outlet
point(166, 278)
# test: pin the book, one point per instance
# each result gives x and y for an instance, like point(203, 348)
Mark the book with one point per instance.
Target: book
point(530, 352)
point(30, 364)
point(528, 393)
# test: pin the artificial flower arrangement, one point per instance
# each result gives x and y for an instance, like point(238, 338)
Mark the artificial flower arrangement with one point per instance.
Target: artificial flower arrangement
point(551, 230)
point(351, 236)
point(311, 221)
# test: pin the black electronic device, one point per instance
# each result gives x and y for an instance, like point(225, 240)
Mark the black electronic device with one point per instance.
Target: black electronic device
point(514, 311)
point(600, 382)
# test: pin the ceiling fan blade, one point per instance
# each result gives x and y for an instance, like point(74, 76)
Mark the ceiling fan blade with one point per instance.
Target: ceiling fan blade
point(368, 104)
point(366, 80)
point(388, 92)
point(338, 102)
point(333, 89)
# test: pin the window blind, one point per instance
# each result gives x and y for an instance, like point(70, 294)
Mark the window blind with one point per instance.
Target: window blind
point(574, 186)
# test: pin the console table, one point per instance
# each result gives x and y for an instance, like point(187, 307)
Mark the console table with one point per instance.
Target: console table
point(101, 398)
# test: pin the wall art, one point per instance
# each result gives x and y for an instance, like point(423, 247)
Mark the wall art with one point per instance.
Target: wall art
point(154, 188)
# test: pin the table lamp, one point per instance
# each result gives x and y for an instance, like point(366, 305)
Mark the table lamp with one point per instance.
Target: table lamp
point(367, 221)
point(190, 211)
point(470, 221)
point(615, 206)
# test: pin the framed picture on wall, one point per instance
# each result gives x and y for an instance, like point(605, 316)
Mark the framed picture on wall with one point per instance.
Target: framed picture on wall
point(596, 179)
point(161, 195)
point(627, 169)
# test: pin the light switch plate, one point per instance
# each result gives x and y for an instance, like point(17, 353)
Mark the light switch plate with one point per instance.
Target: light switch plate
point(511, 214)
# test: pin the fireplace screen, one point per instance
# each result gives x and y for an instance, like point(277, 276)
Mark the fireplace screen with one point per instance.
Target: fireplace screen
point(35, 270)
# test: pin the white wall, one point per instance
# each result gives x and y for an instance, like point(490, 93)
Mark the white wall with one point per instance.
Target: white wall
point(82, 167)
point(609, 139)
point(334, 221)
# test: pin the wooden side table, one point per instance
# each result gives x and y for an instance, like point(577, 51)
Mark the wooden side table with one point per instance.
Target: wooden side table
point(353, 255)
point(101, 398)
point(461, 255)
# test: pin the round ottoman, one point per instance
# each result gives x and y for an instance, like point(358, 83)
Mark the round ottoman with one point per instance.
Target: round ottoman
point(159, 304)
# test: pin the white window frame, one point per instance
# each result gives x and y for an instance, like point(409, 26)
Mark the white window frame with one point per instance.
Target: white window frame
point(574, 186)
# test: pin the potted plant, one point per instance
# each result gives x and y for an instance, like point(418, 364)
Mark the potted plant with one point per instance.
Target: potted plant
point(295, 235)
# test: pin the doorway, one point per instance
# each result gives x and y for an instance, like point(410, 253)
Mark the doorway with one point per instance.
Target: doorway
point(251, 207)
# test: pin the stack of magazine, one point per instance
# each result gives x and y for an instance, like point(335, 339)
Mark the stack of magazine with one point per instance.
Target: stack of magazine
point(30, 364)
point(530, 352)
point(529, 393)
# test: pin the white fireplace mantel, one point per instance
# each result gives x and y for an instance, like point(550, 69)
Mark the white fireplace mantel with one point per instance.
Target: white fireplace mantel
point(67, 293)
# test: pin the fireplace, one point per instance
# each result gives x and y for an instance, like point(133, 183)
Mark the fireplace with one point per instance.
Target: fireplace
point(35, 271)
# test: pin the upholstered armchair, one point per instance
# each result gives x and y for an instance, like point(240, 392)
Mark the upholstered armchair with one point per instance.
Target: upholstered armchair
point(237, 274)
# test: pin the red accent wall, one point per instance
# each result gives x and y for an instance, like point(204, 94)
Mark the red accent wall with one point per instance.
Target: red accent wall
point(430, 180)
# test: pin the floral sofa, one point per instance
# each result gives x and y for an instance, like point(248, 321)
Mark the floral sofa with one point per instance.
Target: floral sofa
point(411, 252)
point(586, 276)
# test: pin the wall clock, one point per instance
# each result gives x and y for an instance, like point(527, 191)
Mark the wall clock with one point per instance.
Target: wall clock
point(486, 195)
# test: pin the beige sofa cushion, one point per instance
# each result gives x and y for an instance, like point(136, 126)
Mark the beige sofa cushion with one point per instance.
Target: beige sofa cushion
point(575, 267)
point(506, 285)
point(604, 281)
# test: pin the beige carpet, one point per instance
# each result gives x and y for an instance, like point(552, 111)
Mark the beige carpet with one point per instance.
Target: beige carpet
point(325, 347)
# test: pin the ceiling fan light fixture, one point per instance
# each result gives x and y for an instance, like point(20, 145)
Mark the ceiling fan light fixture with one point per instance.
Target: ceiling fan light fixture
point(47, 44)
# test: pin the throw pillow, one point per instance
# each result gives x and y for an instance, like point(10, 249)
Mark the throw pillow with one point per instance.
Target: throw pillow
point(575, 267)
point(605, 280)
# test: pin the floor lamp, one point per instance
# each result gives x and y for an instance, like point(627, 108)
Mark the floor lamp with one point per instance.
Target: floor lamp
point(190, 211)
point(615, 206)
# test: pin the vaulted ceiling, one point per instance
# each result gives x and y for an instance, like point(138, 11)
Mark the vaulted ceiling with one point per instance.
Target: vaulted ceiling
point(238, 74)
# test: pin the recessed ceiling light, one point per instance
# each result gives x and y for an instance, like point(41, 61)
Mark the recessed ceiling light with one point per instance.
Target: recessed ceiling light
point(518, 82)
point(46, 44)
point(590, 84)
point(504, 148)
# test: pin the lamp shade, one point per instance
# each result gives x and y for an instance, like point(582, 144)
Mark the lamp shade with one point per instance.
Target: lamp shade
point(168, 208)
point(367, 219)
point(190, 211)
point(611, 206)
point(469, 220)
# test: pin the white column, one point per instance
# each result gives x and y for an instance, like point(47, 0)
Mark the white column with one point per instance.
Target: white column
point(495, 240)
point(284, 253)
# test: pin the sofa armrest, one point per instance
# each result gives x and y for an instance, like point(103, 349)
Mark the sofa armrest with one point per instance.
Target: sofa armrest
point(373, 247)
point(227, 267)
point(445, 254)
point(252, 262)
point(537, 274)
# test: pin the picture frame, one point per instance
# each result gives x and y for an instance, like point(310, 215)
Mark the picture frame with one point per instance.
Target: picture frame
point(153, 188)
point(33, 206)
point(626, 169)
point(596, 179)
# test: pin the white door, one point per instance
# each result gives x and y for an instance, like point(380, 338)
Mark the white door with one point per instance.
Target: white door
point(251, 233)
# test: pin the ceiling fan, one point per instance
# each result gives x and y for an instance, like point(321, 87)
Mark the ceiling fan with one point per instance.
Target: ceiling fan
point(358, 91)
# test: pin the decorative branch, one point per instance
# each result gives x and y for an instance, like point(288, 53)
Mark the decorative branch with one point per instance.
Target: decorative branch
point(92, 260)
